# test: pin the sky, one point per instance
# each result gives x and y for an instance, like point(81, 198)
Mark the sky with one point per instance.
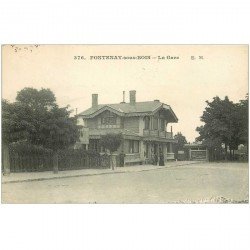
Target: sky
point(198, 73)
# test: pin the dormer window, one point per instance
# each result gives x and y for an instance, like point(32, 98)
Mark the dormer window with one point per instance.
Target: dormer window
point(109, 120)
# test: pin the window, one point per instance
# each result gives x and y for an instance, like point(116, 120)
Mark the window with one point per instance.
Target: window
point(147, 150)
point(136, 146)
point(155, 124)
point(133, 146)
point(94, 145)
point(162, 125)
point(103, 149)
point(146, 122)
point(110, 120)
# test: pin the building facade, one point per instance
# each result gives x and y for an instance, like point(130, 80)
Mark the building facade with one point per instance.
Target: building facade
point(143, 126)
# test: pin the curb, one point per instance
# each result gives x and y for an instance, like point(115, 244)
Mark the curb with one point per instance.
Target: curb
point(104, 173)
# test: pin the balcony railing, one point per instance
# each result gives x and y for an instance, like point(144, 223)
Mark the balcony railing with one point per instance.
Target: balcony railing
point(169, 135)
point(157, 133)
point(100, 126)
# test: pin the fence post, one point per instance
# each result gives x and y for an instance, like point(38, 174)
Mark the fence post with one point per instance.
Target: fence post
point(55, 163)
point(6, 159)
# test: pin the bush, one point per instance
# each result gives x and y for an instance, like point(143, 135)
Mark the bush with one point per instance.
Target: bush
point(24, 148)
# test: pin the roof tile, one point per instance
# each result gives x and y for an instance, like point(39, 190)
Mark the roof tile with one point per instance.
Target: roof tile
point(138, 107)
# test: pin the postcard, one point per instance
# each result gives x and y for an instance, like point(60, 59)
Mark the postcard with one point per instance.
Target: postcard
point(150, 124)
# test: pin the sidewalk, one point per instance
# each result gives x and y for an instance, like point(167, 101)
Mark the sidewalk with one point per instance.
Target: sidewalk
point(39, 176)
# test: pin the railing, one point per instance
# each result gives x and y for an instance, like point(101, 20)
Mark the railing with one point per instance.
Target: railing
point(157, 133)
point(67, 160)
point(162, 134)
point(30, 162)
point(83, 161)
point(108, 126)
point(169, 135)
point(132, 157)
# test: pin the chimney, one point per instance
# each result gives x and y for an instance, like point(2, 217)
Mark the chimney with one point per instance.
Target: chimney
point(132, 96)
point(123, 97)
point(94, 100)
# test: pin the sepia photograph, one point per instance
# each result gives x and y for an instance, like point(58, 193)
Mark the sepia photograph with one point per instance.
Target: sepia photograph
point(124, 124)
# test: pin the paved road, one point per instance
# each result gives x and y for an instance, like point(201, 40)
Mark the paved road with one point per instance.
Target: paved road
point(177, 184)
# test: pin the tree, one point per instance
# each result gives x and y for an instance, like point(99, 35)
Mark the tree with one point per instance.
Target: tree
point(181, 141)
point(6, 121)
point(43, 99)
point(36, 118)
point(218, 122)
point(112, 142)
point(222, 125)
point(214, 146)
point(242, 112)
point(242, 122)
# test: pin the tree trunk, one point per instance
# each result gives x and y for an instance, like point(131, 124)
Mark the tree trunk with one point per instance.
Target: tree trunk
point(225, 151)
point(113, 161)
point(213, 154)
point(55, 162)
point(6, 159)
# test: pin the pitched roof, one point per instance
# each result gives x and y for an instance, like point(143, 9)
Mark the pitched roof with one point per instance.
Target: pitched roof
point(99, 132)
point(126, 107)
point(129, 109)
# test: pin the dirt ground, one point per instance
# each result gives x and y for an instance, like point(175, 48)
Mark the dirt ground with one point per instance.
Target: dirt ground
point(196, 183)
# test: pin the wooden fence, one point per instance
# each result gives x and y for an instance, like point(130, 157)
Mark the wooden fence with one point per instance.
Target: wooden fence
point(75, 160)
point(67, 160)
point(30, 162)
